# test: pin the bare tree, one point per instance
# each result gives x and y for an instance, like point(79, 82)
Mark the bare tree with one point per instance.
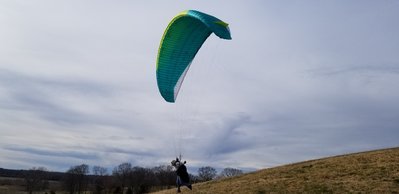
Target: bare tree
point(206, 173)
point(99, 171)
point(122, 174)
point(142, 179)
point(36, 179)
point(230, 172)
point(100, 179)
point(165, 176)
point(76, 180)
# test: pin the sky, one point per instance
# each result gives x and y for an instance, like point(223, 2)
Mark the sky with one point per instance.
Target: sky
point(299, 80)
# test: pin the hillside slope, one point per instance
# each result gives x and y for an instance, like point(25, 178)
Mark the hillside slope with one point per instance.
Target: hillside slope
point(366, 172)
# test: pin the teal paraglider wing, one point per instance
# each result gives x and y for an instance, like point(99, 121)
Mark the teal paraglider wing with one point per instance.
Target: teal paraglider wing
point(180, 43)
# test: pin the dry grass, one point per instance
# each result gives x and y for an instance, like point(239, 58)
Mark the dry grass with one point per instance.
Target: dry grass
point(11, 190)
point(11, 186)
point(366, 172)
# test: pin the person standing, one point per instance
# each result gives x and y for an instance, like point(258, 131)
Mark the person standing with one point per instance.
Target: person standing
point(183, 178)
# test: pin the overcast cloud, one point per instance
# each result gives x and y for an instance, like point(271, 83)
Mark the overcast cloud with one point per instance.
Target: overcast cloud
point(299, 80)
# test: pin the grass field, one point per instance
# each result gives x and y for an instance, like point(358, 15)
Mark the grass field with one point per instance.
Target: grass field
point(10, 186)
point(366, 172)
point(16, 186)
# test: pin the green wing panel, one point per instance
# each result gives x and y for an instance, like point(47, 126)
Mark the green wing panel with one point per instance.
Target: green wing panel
point(180, 43)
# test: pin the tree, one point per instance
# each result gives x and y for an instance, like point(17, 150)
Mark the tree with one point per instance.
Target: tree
point(100, 179)
point(165, 176)
point(230, 172)
point(142, 179)
point(35, 179)
point(122, 174)
point(99, 171)
point(206, 173)
point(76, 179)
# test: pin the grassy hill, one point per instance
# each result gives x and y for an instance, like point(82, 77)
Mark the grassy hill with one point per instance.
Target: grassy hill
point(366, 172)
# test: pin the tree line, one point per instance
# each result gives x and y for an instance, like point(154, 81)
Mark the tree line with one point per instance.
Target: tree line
point(123, 179)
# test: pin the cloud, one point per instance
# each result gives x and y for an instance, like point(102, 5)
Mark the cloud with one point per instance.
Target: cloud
point(230, 136)
point(50, 98)
point(298, 81)
point(54, 153)
point(356, 69)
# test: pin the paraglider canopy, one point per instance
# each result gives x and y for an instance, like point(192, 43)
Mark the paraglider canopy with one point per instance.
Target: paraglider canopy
point(180, 43)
